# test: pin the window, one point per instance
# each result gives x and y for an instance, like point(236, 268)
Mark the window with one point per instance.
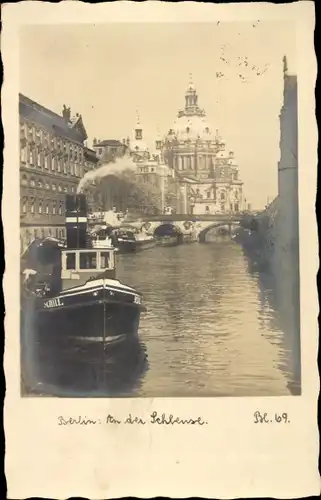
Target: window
point(59, 165)
point(24, 180)
point(49, 232)
point(30, 157)
point(87, 260)
point(35, 232)
point(57, 234)
point(207, 209)
point(42, 233)
point(23, 154)
point(236, 207)
point(47, 209)
point(100, 151)
point(208, 194)
point(76, 170)
point(65, 165)
point(71, 260)
point(222, 195)
point(104, 260)
point(38, 159)
point(54, 208)
point(47, 185)
point(59, 188)
point(222, 207)
point(32, 182)
point(46, 163)
point(40, 207)
point(32, 207)
point(65, 189)
point(24, 206)
point(60, 209)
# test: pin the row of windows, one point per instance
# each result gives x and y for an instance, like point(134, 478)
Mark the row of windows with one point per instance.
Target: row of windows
point(39, 183)
point(37, 158)
point(42, 207)
point(146, 170)
point(31, 132)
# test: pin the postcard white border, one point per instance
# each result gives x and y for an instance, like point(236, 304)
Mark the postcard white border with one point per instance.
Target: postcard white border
point(229, 457)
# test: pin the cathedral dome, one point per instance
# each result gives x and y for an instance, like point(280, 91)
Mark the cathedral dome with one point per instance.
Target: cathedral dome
point(191, 128)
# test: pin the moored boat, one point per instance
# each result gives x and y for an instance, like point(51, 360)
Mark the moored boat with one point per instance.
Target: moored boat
point(70, 295)
point(167, 241)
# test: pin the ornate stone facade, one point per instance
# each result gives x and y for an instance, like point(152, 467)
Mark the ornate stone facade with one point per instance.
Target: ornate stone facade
point(53, 158)
point(206, 170)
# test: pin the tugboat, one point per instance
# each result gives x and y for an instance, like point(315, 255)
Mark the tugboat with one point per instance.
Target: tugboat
point(70, 294)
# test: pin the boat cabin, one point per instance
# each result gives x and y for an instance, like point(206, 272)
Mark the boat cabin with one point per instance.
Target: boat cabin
point(80, 265)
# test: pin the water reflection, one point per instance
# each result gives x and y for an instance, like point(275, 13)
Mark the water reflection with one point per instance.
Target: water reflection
point(212, 329)
point(82, 372)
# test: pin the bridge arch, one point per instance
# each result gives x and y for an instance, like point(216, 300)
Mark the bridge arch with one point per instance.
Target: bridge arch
point(168, 229)
point(228, 226)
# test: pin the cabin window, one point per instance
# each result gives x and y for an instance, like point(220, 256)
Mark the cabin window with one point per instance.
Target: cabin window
point(88, 260)
point(71, 260)
point(104, 260)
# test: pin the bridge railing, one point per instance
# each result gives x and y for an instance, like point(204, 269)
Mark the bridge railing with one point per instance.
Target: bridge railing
point(188, 217)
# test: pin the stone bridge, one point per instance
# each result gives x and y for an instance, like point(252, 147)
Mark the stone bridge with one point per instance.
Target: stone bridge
point(187, 225)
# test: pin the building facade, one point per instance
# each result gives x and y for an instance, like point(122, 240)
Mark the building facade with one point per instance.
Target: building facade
point(53, 158)
point(108, 149)
point(207, 172)
point(156, 178)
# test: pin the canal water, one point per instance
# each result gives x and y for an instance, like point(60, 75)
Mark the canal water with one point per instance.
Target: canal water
point(211, 328)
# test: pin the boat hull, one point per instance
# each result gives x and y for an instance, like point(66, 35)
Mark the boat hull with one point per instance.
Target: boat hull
point(89, 316)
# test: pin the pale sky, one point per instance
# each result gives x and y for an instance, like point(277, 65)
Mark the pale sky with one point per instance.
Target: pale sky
point(106, 72)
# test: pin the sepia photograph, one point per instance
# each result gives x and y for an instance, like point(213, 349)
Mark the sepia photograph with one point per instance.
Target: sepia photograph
point(159, 234)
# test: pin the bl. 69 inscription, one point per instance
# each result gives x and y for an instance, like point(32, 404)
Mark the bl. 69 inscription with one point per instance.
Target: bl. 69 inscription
point(266, 418)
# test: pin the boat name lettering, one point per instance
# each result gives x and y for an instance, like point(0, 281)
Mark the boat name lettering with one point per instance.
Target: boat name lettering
point(53, 303)
point(137, 299)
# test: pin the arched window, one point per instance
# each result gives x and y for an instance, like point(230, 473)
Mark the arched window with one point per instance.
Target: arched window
point(32, 182)
point(59, 188)
point(47, 209)
point(32, 207)
point(47, 186)
point(46, 162)
point(53, 186)
point(24, 180)
point(24, 205)
point(39, 183)
point(54, 207)
point(40, 207)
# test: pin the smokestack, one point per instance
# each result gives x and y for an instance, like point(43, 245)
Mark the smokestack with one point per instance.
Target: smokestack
point(76, 221)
